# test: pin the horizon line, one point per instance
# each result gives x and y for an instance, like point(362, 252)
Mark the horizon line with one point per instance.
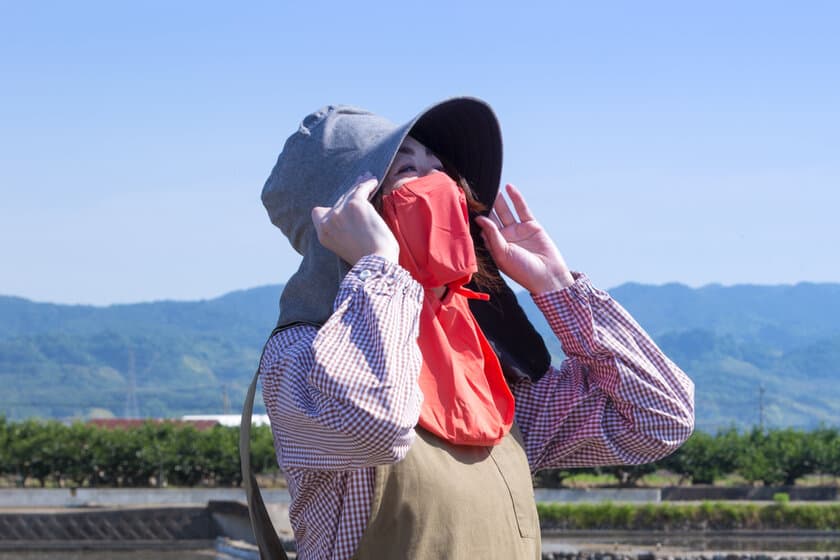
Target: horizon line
point(520, 290)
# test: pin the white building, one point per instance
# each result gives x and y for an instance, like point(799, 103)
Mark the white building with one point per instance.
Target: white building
point(228, 419)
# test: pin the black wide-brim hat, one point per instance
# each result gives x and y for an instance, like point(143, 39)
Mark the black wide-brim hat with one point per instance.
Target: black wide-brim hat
point(338, 143)
point(466, 133)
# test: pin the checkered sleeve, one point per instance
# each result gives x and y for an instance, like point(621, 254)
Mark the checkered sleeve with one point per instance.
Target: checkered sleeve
point(346, 396)
point(616, 399)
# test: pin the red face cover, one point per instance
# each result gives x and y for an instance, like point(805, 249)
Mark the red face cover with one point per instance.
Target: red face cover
point(466, 398)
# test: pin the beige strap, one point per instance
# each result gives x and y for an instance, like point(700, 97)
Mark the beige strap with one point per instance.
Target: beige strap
point(270, 545)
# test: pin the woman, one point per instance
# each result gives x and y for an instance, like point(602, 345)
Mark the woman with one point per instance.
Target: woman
point(409, 408)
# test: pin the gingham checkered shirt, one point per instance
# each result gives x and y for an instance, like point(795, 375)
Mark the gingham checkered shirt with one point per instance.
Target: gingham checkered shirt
point(345, 398)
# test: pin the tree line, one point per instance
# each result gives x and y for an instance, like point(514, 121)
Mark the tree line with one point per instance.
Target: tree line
point(769, 457)
point(153, 454)
point(169, 453)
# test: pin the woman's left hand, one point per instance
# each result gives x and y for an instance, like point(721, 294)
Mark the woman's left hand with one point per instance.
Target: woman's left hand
point(521, 248)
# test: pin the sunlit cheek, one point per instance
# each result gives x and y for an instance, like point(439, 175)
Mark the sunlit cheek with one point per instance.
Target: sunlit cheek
point(391, 186)
point(387, 185)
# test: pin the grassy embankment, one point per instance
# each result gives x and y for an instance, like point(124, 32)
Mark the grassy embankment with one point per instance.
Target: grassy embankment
point(663, 478)
point(689, 517)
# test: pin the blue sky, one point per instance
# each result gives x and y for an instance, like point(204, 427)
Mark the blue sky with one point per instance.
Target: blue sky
point(657, 141)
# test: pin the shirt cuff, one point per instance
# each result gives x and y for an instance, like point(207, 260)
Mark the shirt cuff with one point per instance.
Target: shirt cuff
point(569, 310)
point(378, 273)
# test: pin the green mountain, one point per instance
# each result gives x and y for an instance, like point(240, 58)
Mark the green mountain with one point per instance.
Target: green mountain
point(752, 350)
point(180, 357)
point(739, 342)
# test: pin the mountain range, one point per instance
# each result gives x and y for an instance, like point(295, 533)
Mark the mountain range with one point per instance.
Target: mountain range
point(757, 354)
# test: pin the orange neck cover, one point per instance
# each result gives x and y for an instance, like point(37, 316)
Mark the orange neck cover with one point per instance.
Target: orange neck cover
point(466, 398)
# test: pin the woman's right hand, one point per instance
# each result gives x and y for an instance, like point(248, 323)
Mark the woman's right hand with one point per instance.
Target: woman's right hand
point(353, 228)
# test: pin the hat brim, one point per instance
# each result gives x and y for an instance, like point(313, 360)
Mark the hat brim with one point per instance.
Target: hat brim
point(466, 133)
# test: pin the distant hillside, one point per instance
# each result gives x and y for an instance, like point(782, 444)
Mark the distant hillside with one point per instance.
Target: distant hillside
point(185, 357)
point(238, 316)
point(785, 316)
point(734, 340)
point(191, 357)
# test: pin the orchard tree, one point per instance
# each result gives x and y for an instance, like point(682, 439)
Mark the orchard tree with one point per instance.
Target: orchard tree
point(76, 462)
point(553, 478)
point(825, 450)
point(185, 465)
point(28, 446)
point(791, 453)
point(4, 438)
point(220, 448)
point(776, 457)
point(754, 462)
point(629, 475)
point(119, 460)
point(705, 458)
point(263, 458)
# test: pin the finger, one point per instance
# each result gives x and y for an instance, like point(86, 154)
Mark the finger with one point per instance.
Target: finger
point(493, 238)
point(364, 177)
point(495, 219)
point(318, 214)
point(502, 209)
point(484, 222)
point(342, 200)
point(519, 204)
point(365, 189)
point(360, 180)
